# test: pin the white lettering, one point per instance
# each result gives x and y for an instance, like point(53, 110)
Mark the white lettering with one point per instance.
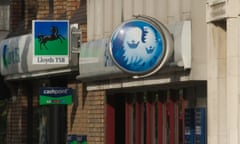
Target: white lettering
point(61, 60)
point(50, 60)
point(44, 60)
point(55, 92)
point(13, 56)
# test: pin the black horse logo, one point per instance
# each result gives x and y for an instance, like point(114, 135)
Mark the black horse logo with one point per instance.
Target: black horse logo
point(43, 39)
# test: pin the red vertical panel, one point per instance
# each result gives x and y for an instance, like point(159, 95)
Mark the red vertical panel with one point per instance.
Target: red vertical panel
point(110, 124)
point(149, 123)
point(160, 123)
point(127, 123)
point(138, 123)
point(172, 124)
point(171, 118)
point(182, 117)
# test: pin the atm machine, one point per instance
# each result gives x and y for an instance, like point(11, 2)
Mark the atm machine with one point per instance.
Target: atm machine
point(189, 126)
point(195, 126)
point(200, 126)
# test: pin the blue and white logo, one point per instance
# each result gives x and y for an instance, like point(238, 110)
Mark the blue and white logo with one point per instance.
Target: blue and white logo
point(137, 47)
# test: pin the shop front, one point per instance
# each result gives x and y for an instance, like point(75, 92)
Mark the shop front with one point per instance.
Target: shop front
point(144, 75)
point(27, 120)
point(156, 115)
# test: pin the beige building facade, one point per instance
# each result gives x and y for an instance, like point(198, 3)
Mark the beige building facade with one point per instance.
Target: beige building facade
point(198, 83)
point(170, 93)
point(105, 15)
point(223, 71)
point(214, 50)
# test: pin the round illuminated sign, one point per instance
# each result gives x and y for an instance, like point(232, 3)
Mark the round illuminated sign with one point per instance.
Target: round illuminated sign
point(138, 46)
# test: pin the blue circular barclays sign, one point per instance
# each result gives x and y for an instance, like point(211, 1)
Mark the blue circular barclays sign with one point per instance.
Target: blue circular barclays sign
point(140, 46)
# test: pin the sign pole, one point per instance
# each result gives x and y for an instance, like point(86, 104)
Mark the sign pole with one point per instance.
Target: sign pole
point(54, 125)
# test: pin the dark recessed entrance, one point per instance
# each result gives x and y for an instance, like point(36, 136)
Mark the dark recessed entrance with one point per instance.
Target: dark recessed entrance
point(156, 116)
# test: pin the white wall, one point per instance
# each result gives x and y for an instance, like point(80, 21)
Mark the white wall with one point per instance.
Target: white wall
point(105, 15)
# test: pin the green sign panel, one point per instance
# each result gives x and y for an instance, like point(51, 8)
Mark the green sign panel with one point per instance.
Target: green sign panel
point(77, 139)
point(50, 41)
point(55, 95)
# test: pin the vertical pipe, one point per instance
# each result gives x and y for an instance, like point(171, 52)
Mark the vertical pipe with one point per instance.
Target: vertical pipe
point(127, 123)
point(54, 125)
point(160, 123)
point(51, 7)
point(138, 121)
point(30, 115)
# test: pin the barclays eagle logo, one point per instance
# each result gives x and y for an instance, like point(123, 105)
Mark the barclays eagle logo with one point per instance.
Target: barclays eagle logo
point(137, 46)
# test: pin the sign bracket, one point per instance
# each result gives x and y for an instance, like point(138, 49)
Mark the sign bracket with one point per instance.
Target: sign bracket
point(76, 39)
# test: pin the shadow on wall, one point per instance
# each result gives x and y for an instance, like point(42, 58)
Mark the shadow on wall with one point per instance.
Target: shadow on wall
point(75, 106)
point(80, 14)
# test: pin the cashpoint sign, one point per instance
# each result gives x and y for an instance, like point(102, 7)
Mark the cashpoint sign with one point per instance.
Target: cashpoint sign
point(55, 95)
